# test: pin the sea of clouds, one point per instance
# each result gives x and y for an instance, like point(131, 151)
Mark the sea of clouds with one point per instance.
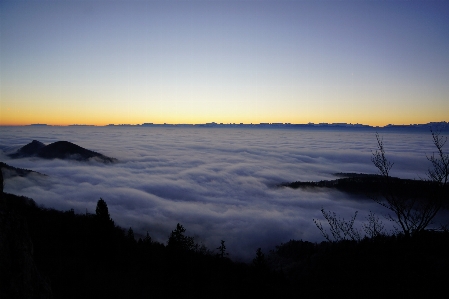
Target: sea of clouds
point(219, 183)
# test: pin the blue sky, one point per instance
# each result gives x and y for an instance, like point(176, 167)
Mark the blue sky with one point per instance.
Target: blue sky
point(100, 62)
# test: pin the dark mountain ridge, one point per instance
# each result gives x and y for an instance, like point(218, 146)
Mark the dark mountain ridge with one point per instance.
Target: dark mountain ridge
point(59, 150)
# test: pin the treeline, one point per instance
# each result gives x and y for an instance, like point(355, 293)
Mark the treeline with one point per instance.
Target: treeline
point(88, 256)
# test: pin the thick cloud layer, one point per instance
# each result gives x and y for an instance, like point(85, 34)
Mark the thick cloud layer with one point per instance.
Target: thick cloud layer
point(219, 183)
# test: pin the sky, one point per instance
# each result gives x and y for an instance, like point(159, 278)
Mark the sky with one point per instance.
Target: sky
point(101, 62)
point(220, 184)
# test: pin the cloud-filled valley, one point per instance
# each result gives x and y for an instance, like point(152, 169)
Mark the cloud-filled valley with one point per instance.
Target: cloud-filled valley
point(220, 184)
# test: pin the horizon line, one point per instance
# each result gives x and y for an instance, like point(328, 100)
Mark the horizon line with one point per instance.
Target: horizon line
point(212, 124)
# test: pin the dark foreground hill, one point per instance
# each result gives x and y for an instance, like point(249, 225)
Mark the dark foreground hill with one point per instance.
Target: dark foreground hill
point(59, 150)
point(46, 253)
point(87, 256)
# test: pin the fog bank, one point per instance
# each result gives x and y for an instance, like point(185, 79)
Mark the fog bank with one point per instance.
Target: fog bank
point(220, 184)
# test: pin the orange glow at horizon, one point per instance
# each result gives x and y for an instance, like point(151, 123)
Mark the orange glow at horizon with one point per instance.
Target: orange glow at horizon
point(295, 62)
point(27, 118)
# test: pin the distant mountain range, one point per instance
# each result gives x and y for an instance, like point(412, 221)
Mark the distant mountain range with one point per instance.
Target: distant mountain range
point(59, 150)
point(436, 126)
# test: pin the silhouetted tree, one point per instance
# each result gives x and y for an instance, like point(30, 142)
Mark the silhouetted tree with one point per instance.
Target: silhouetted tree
point(340, 229)
point(147, 239)
point(374, 228)
point(130, 235)
point(261, 272)
point(178, 241)
point(259, 260)
point(102, 211)
point(222, 249)
point(439, 172)
point(202, 249)
point(414, 214)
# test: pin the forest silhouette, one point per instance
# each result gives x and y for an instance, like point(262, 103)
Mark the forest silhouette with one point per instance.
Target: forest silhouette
point(88, 256)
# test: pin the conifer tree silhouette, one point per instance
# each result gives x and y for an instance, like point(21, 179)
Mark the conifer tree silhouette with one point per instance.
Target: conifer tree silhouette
point(130, 235)
point(102, 211)
point(178, 241)
point(259, 260)
point(222, 249)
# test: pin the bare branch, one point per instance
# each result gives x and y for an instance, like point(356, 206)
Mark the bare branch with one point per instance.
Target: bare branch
point(379, 160)
point(440, 162)
point(339, 228)
point(414, 214)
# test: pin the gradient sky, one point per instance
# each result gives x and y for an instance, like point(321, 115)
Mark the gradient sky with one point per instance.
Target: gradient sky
point(100, 62)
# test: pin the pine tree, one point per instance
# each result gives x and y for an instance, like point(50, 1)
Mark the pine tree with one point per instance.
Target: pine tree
point(178, 241)
point(102, 211)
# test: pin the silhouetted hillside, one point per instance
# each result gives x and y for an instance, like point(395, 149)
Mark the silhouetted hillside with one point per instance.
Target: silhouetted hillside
point(46, 253)
point(30, 149)
point(385, 266)
point(11, 171)
point(87, 256)
point(370, 185)
point(59, 150)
